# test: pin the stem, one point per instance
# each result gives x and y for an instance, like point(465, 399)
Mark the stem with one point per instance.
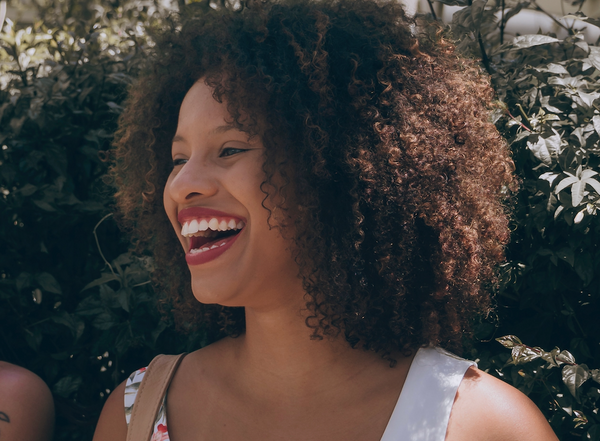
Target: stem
point(484, 58)
point(98, 244)
point(538, 8)
point(502, 23)
point(22, 74)
point(433, 14)
point(519, 122)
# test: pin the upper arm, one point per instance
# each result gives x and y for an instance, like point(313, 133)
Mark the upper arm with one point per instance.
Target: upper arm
point(487, 408)
point(26, 405)
point(112, 425)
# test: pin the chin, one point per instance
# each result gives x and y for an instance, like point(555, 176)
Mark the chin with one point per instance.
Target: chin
point(218, 296)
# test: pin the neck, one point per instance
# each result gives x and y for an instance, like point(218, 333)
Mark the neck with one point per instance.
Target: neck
point(277, 353)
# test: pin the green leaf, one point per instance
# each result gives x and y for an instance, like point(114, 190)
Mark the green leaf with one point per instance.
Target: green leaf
point(48, 283)
point(104, 278)
point(27, 190)
point(596, 122)
point(525, 41)
point(593, 433)
point(565, 183)
point(89, 306)
point(67, 386)
point(546, 149)
point(574, 376)
point(567, 254)
point(104, 321)
point(24, 280)
point(580, 418)
point(565, 357)
point(44, 205)
point(123, 299)
point(577, 192)
point(594, 56)
point(509, 341)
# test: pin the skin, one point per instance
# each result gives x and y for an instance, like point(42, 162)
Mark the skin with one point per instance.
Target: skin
point(26, 405)
point(274, 382)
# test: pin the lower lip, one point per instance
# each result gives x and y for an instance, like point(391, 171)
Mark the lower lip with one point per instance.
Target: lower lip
point(207, 256)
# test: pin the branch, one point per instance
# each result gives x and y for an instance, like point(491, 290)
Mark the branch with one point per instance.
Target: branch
point(538, 8)
point(432, 10)
point(502, 23)
point(484, 58)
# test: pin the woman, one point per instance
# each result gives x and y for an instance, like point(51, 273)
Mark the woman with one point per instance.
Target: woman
point(322, 189)
point(26, 405)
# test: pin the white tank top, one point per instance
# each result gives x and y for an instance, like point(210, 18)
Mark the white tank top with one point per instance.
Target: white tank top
point(424, 405)
point(421, 412)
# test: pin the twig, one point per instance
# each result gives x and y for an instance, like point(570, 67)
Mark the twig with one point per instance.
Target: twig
point(433, 14)
point(484, 58)
point(106, 262)
point(502, 23)
point(538, 8)
point(517, 121)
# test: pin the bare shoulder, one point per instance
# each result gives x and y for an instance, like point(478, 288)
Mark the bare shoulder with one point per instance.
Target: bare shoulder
point(24, 398)
point(112, 425)
point(486, 408)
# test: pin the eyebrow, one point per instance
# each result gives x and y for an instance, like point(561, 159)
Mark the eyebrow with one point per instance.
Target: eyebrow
point(216, 131)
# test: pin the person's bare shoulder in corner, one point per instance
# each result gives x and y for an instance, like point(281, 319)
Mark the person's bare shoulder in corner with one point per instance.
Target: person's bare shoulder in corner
point(26, 405)
point(112, 425)
point(488, 409)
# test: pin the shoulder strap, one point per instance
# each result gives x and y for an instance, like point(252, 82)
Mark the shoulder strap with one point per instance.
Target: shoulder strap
point(423, 408)
point(150, 395)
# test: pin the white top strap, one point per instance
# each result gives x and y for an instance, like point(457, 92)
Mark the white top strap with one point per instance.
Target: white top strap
point(423, 408)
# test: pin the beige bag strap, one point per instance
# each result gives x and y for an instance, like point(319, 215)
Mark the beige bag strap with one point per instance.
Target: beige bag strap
point(150, 395)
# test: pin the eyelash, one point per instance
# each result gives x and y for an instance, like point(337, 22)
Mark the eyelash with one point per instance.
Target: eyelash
point(223, 155)
point(181, 161)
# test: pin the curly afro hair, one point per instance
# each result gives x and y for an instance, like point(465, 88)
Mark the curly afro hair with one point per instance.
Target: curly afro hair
point(379, 147)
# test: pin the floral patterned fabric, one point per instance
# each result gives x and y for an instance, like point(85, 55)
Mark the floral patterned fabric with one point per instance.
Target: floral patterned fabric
point(160, 432)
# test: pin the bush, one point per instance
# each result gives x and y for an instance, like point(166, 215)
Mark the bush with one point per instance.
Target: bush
point(549, 111)
point(76, 306)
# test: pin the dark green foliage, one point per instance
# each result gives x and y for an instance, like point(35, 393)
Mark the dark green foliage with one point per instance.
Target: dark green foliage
point(76, 306)
point(81, 323)
point(549, 111)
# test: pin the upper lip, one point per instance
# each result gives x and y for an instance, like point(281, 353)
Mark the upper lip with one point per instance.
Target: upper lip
point(201, 212)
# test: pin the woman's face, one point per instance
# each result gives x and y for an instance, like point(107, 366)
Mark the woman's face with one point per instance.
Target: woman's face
point(214, 202)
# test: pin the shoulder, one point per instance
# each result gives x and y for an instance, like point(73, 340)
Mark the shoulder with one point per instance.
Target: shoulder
point(23, 396)
point(112, 425)
point(18, 381)
point(508, 413)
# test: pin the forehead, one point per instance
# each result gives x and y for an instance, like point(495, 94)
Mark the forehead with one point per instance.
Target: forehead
point(200, 109)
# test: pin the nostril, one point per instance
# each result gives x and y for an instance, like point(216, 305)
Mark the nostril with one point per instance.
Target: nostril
point(192, 195)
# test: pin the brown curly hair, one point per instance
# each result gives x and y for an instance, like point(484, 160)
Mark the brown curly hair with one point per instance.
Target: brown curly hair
point(378, 141)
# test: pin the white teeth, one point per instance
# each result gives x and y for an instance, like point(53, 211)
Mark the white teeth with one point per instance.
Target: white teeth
point(202, 250)
point(213, 224)
point(203, 227)
point(193, 227)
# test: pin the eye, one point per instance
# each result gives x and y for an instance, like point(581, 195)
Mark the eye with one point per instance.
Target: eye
point(230, 151)
point(179, 161)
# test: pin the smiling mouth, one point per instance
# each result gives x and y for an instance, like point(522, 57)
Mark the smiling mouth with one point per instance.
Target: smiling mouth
point(207, 234)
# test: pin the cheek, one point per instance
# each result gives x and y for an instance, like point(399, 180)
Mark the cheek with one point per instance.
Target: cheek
point(169, 205)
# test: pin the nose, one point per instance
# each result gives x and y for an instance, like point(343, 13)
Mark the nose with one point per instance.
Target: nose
point(194, 179)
